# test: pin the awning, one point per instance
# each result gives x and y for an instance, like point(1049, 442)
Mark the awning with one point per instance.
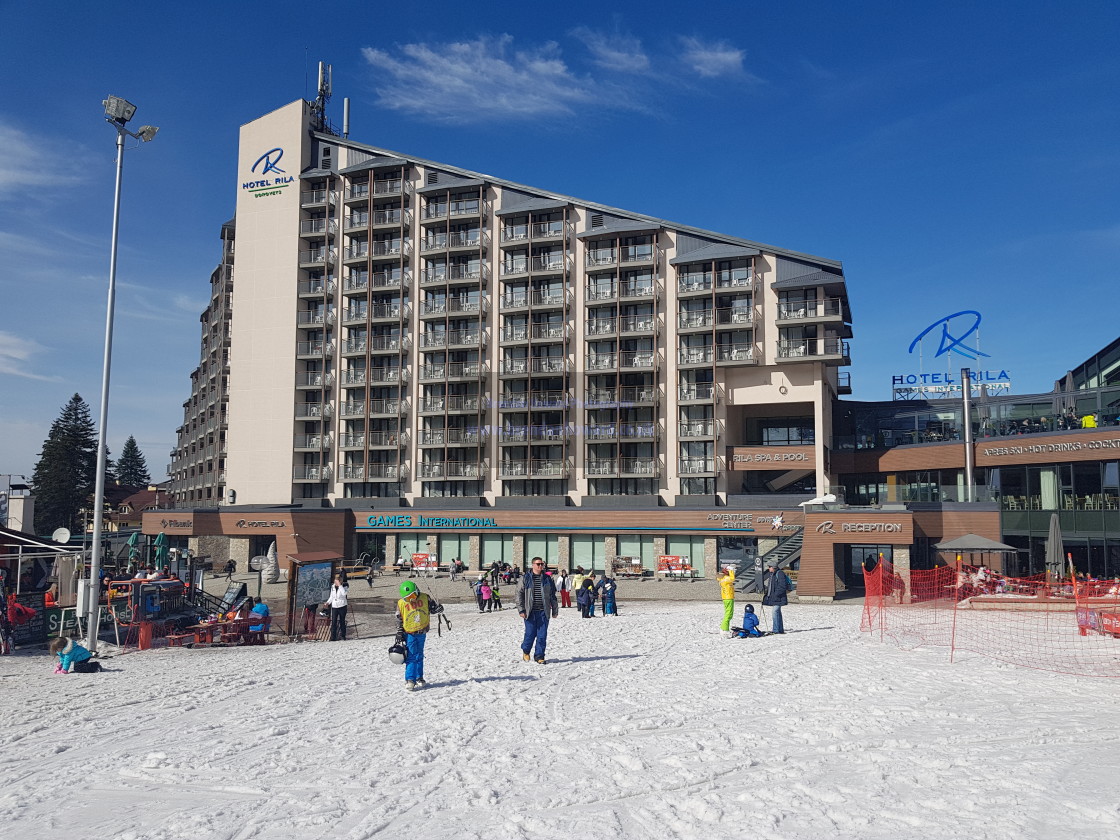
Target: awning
point(975, 543)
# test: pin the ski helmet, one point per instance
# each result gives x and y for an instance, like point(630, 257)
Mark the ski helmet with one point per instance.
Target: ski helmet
point(398, 654)
point(750, 608)
point(408, 589)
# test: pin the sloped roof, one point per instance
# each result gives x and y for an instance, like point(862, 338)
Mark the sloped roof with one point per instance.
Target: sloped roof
point(378, 162)
point(715, 251)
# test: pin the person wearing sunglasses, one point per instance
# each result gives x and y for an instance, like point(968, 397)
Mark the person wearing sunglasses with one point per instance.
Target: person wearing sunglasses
point(536, 604)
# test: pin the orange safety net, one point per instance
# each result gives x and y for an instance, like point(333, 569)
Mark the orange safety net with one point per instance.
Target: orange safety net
point(1070, 626)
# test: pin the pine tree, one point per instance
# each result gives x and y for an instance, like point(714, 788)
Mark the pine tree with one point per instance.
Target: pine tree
point(64, 477)
point(132, 469)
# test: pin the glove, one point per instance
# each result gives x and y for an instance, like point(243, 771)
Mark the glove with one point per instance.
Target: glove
point(437, 609)
point(400, 637)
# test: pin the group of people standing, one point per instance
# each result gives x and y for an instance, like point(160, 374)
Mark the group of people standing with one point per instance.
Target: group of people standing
point(775, 590)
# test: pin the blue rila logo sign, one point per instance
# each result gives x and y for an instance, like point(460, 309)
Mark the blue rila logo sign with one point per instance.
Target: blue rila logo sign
point(952, 331)
point(268, 163)
point(950, 343)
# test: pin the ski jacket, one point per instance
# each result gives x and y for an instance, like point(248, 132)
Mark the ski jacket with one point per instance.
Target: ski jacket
point(727, 585)
point(548, 593)
point(260, 609)
point(71, 655)
point(750, 623)
point(339, 595)
point(774, 589)
point(564, 584)
point(414, 616)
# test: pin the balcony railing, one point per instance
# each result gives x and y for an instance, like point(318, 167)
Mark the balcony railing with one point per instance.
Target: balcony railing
point(317, 226)
point(735, 278)
point(534, 469)
point(697, 428)
point(734, 352)
point(453, 370)
point(441, 437)
point(315, 197)
point(522, 434)
point(548, 262)
point(812, 347)
point(600, 257)
point(701, 318)
point(557, 331)
point(601, 361)
point(452, 402)
point(549, 364)
point(314, 379)
point(641, 431)
point(616, 396)
point(808, 309)
point(313, 410)
point(637, 323)
point(452, 469)
point(533, 399)
point(641, 359)
point(309, 472)
point(696, 355)
point(600, 326)
point(311, 441)
point(699, 391)
point(696, 466)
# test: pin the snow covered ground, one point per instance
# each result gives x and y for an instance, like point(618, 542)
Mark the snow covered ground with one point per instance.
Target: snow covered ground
point(646, 725)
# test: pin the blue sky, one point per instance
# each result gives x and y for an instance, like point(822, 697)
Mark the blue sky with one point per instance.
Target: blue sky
point(957, 155)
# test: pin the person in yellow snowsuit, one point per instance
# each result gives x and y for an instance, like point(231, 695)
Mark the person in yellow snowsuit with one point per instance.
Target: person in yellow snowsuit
point(727, 593)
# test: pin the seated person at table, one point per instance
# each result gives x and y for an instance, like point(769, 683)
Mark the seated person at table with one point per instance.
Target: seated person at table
point(50, 598)
point(73, 658)
point(260, 612)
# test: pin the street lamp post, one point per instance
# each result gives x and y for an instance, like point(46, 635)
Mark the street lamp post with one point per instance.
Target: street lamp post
point(117, 113)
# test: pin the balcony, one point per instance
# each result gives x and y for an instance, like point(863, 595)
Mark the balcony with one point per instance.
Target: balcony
point(450, 338)
point(522, 400)
point(391, 218)
point(642, 291)
point(315, 442)
point(546, 331)
point(814, 350)
point(312, 198)
point(700, 392)
point(620, 397)
point(515, 233)
point(452, 403)
point(549, 364)
point(601, 432)
point(601, 361)
point(736, 278)
point(829, 309)
point(452, 469)
point(638, 360)
point(599, 326)
point(698, 429)
point(452, 370)
point(534, 469)
point(550, 230)
point(631, 254)
point(317, 257)
point(513, 367)
point(524, 434)
point(696, 319)
point(601, 291)
point(637, 324)
point(698, 466)
point(515, 334)
point(740, 353)
point(454, 305)
point(548, 297)
point(639, 431)
point(688, 284)
point(309, 472)
point(548, 263)
point(696, 355)
point(315, 318)
point(312, 411)
point(389, 407)
point(600, 258)
point(386, 472)
point(735, 316)
point(639, 466)
point(466, 207)
point(451, 437)
point(315, 288)
point(317, 227)
point(515, 300)
point(391, 186)
point(314, 379)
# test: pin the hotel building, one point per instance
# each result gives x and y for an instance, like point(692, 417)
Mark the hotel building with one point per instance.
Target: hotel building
point(427, 359)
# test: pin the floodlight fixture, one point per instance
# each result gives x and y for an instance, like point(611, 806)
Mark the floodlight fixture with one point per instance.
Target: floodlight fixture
point(147, 132)
point(118, 110)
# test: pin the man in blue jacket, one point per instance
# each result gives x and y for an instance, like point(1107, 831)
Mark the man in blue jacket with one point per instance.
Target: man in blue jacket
point(774, 588)
point(536, 601)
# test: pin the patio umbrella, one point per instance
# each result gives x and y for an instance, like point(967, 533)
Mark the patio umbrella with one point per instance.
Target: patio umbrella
point(1055, 551)
point(161, 550)
point(133, 549)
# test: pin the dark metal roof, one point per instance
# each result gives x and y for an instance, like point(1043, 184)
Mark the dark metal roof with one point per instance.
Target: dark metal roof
point(451, 184)
point(619, 226)
point(815, 278)
point(715, 251)
point(591, 205)
point(315, 172)
point(532, 205)
point(374, 163)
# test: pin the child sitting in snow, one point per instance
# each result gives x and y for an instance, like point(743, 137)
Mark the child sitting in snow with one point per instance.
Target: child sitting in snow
point(750, 624)
point(73, 658)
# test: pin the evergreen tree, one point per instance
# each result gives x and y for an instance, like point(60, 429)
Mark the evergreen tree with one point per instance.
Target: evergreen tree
point(132, 469)
point(64, 477)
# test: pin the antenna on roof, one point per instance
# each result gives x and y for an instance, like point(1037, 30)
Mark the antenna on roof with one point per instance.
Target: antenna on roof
point(319, 107)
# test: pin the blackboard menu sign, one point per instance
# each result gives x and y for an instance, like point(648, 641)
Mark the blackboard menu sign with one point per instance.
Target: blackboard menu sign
point(235, 594)
point(34, 630)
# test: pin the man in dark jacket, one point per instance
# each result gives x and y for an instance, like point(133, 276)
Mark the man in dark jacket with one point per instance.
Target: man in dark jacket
point(536, 602)
point(774, 588)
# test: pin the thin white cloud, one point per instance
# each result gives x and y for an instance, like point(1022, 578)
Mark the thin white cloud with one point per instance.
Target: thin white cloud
point(617, 53)
point(16, 353)
point(710, 60)
point(476, 80)
point(28, 164)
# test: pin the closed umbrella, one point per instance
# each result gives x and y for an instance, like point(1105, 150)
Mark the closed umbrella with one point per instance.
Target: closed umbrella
point(161, 550)
point(133, 548)
point(1055, 550)
point(272, 566)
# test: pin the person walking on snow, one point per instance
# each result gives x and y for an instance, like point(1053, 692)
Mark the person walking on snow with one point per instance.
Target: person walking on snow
point(774, 588)
point(564, 587)
point(726, 581)
point(536, 602)
point(414, 612)
point(338, 601)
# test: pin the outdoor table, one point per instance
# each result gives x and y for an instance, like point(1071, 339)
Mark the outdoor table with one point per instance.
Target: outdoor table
point(204, 633)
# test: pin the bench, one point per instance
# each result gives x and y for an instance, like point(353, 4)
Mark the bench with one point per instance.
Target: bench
point(176, 639)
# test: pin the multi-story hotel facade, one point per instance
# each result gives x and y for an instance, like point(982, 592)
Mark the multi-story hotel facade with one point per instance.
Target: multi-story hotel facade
point(403, 357)
point(410, 334)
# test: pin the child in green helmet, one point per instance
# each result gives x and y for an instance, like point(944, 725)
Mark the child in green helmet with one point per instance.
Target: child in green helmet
point(414, 612)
